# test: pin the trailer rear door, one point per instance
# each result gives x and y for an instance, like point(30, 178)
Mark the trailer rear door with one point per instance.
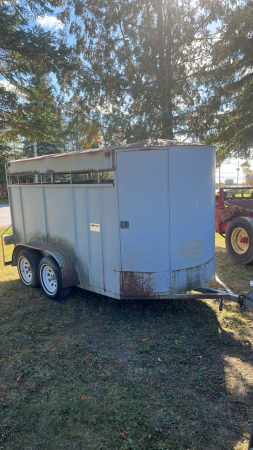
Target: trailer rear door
point(143, 204)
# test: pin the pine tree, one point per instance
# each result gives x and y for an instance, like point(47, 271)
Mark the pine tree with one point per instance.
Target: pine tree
point(226, 111)
point(139, 61)
point(83, 125)
point(41, 120)
point(26, 51)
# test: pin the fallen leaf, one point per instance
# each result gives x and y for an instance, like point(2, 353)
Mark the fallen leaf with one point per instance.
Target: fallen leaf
point(45, 389)
point(83, 419)
point(148, 407)
point(123, 433)
point(39, 299)
point(99, 367)
point(2, 396)
point(84, 397)
point(19, 377)
point(83, 311)
point(145, 339)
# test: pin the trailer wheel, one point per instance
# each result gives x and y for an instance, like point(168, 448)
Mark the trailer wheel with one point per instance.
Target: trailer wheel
point(28, 263)
point(239, 239)
point(51, 279)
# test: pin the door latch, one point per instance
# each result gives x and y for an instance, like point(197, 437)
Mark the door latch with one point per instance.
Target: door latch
point(124, 224)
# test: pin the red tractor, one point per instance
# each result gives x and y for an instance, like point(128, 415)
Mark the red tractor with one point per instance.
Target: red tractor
point(234, 221)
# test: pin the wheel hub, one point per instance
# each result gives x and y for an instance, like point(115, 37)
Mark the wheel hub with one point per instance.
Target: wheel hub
point(240, 240)
point(49, 279)
point(244, 240)
point(26, 271)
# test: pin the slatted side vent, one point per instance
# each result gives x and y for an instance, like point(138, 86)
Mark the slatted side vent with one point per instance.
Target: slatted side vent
point(63, 178)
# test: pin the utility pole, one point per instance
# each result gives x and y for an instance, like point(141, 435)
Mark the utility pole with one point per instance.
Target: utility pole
point(35, 153)
point(238, 170)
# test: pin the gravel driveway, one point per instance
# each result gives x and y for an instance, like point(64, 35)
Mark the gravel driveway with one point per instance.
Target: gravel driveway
point(5, 217)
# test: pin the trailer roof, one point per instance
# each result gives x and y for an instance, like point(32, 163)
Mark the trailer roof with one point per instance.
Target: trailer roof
point(84, 160)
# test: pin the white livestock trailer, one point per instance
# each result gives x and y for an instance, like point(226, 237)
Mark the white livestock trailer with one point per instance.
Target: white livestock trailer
point(134, 221)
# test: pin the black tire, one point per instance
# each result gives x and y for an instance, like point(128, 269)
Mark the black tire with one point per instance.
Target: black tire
point(28, 264)
point(51, 279)
point(239, 239)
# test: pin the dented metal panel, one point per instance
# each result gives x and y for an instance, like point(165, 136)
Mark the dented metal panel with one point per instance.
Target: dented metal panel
point(185, 280)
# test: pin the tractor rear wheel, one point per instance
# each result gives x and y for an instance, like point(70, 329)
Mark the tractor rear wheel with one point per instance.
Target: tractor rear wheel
point(239, 239)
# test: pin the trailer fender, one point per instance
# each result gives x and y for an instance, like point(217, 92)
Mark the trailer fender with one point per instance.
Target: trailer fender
point(62, 256)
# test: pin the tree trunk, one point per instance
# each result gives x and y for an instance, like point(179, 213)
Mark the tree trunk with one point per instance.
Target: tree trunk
point(164, 76)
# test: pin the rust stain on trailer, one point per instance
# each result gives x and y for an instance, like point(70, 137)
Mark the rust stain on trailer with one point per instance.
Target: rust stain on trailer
point(143, 282)
point(138, 282)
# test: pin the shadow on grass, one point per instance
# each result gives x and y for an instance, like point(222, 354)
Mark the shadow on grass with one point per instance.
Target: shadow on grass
point(96, 373)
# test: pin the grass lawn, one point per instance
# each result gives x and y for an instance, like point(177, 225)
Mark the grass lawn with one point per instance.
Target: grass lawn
point(4, 201)
point(93, 373)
